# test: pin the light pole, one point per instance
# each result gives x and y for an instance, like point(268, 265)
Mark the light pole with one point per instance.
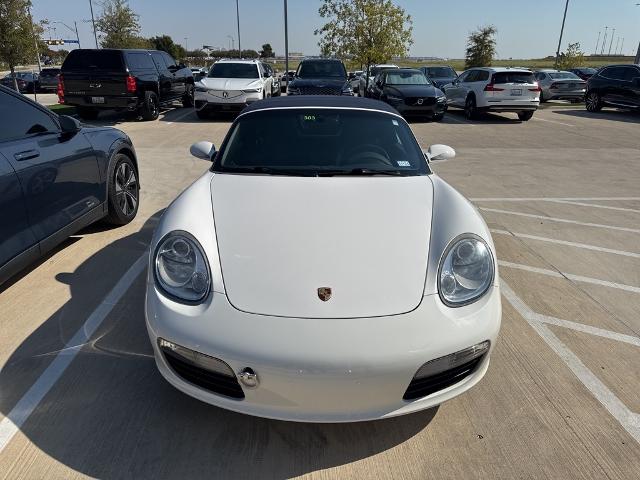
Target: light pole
point(566, 6)
point(604, 41)
point(72, 30)
point(597, 42)
point(238, 21)
point(286, 47)
point(186, 45)
point(93, 21)
point(637, 59)
point(232, 42)
point(611, 42)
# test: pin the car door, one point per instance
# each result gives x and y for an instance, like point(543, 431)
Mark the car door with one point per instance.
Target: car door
point(165, 77)
point(178, 80)
point(630, 90)
point(16, 236)
point(58, 172)
point(455, 93)
point(612, 78)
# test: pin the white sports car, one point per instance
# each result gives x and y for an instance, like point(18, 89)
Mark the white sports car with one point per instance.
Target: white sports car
point(324, 276)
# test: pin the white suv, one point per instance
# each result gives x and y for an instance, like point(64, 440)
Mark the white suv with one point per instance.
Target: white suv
point(231, 85)
point(487, 89)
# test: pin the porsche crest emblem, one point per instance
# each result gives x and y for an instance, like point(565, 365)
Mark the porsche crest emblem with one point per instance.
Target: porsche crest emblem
point(324, 293)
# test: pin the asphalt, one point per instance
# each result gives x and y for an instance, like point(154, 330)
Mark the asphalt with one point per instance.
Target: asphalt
point(560, 399)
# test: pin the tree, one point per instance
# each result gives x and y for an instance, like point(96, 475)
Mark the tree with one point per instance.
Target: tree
point(572, 58)
point(118, 25)
point(267, 51)
point(18, 34)
point(367, 31)
point(481, 47)
point(166, 44)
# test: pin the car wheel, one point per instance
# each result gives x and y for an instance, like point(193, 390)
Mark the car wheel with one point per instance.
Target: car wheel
point(542, 99)
point(438, 117)
point(525, 116)
point(87, 113)
point(150, 107)
point(470, 110)
point(593, 102)
point(188, 99)
point(124, 191)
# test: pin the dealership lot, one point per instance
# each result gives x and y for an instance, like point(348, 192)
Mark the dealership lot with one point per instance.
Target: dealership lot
point(80, 394)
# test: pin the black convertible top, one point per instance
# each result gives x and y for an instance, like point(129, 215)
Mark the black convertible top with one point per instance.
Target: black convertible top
point(323, 101)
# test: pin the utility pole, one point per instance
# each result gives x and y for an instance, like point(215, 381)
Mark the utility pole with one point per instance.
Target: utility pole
point(35, 40)
point(238, 20)
point(604, 41)
point(617, 43)
point(77, 36)
point(611, 42)
point(93, 21)
point(286, 46)
point(566, 6)
point(621, 47)
point(637, 59)
point(597, 42)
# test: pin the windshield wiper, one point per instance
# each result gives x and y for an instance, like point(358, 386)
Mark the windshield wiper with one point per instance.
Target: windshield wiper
point(359, 172)
point(268, 171)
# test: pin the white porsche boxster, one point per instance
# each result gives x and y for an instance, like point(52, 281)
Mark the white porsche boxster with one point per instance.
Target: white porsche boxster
point(320, 271)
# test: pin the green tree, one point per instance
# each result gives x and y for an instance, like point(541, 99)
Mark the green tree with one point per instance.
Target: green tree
point(572, 58)
point(18, 34)
point(166, 44)
point(267, 51)
point(367, 31)
point(481, 47)
point(118, 25)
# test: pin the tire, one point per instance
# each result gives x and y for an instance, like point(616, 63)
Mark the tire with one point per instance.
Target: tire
point(542, 99)
point(438, 117)
point(593, 102)
point(124, 191)
point(525, 116)
point(87, 113)
point(202, 114)
point(150, 108)
point(470, 109)
point(188, 98)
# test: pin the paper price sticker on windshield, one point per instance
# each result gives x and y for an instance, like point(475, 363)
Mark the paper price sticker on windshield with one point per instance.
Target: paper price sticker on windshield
point(403, 163)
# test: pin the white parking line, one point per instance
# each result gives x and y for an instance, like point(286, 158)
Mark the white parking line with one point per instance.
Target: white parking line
point(630, 421)
point(549, 199)
point(567, 243)
point(570, 276)
point(561, 220)
point(592, 205)
point(28, 403)
point(553, 121)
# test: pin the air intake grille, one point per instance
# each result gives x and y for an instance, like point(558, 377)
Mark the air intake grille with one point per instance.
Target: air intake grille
point(320, 91)
point(415, 101)
point(422, 387)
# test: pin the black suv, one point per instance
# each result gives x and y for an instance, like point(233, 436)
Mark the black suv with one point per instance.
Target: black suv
point(320, 76)
point(614, 86)
point(138, 81)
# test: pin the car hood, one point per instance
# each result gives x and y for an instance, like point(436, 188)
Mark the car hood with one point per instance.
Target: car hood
point(412, 90)
point(230, 83)
point(318, 82)
point(282, 238)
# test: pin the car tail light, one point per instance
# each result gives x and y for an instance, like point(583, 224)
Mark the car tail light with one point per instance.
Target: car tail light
point(60, 89)
point(492, 88)
point(535, 89)
point(131, 84)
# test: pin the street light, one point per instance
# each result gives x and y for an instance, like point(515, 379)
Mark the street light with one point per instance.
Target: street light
point(72, 30)
point(566, 6)
point(93, 21)
point(238, 21)
point(286, 47)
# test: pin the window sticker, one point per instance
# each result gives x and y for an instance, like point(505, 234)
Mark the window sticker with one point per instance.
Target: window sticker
point(403, 163)
point(395, 122)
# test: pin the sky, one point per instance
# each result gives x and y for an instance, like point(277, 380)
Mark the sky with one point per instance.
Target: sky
point(526, 29)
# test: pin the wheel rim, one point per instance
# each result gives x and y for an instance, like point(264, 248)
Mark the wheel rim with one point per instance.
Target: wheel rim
point(469, 108)
point(126, 189)
point(154, 106)
point(592, 101)
point(191, 94)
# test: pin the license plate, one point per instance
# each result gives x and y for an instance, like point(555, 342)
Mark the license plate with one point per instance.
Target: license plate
point(516, 91)
point(97, 99)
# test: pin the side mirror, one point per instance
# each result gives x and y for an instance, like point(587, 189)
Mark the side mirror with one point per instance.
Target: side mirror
point(439, 153)
point(69, 125)
point(203, 150)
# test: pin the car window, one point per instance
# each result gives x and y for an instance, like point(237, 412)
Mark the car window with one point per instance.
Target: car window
point(322, 69)
point(20, 119)
point(436, 72)
point(320, 141)
point(399, 77)
point(472, 77)
point(630, 73)
point(540, 75)
point(93, 59)
point(481, 76)
point(49, 72)
point(564, 76)
point(234, 70)
point(513, 77)
point(159, 61)
point(168, 60)
point(139, 61)
point(614, 73)
point(464, 75)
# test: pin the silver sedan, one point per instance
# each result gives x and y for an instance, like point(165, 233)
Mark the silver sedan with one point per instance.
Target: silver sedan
point(560, 85)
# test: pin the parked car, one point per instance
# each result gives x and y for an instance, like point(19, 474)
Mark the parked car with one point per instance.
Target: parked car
point(354, 80)
point(231, 85)
point(275, 82)
point(440, 75)
point(320, 76)
point(410, 93)
point(560, 85)
point(48, 79)
point(373, 71)
point(585, 73)
point(27, 81)
point(614, 86)
point(494, 89)
point(198, 73)
point(340, 233)
point(56, 177)
point(285, 79)
point(139, 81)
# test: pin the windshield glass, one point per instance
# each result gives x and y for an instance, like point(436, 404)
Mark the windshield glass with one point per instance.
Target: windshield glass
point(93, 59)
point(513, 77)
point(234, 70)
point(564, 75)
point(407, 78)
point(321, 142)
point(440, 72)
point(320, 69)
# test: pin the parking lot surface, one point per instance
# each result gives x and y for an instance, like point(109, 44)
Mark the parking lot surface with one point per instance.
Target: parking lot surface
point(80, 395)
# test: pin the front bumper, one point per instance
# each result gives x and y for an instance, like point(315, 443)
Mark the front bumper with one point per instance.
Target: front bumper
point(209, 102)
point(323, 370)
point(408, 110)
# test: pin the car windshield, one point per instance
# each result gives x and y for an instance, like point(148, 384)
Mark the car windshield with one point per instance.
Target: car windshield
point(564, 76)
point(407, 78)
point(321, 142)
point(375, 70)
point(441, 72)
point(513, 77)
point(93, 59)
point(234, 70)
point(588, 71)
point(320, 69)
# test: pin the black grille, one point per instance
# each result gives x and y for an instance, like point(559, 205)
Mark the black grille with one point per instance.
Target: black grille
point(413, 101)
point(212, 381)
point(320, 91)
point(426, 386)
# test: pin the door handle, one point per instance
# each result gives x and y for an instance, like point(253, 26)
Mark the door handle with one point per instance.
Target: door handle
point(26, 155)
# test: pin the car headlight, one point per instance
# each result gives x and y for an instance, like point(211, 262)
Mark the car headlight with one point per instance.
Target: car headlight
point(253, 90)
point(293, 91)
point(181, 267)
point(441, 99)
point(466, 271)
point(347, 90)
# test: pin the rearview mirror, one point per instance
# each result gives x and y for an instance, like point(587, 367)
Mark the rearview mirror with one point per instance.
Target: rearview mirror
point(69, 125)
point(203, 150)
point(439, 153)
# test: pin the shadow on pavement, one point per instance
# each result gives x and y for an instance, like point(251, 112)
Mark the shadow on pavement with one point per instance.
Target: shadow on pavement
point(484, 118)
point(627, 116)
point(111, 415)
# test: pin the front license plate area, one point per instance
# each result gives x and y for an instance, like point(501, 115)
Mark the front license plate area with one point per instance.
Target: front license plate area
point(97, 99)
point(516, 91)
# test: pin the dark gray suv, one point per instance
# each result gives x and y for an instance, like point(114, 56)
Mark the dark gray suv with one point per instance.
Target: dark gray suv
point(320, 76)
point(614, 86)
